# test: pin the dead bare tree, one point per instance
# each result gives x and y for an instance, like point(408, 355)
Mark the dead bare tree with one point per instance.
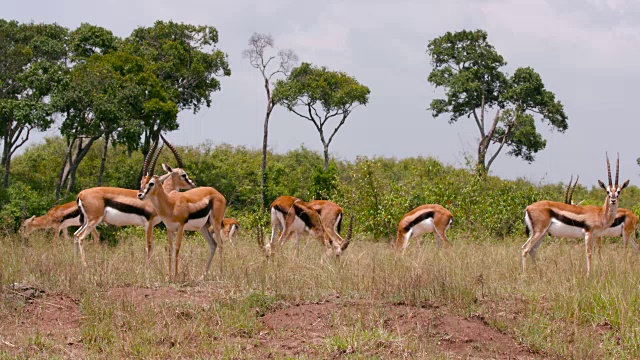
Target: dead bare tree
point(259, 58)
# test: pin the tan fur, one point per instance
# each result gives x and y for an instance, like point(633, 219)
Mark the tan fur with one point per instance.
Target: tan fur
point(230, 227)
point(93, 206)
point(283, 217)
point(174, 208)
point(53, 219)
point(441, 222)
point(597, 219)
point(330, 213)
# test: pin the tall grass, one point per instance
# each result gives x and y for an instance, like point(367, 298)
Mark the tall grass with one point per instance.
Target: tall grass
point(553, 308)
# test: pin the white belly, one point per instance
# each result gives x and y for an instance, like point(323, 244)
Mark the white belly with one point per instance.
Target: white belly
point(298, 226)
point(118, 218)
point(559, 229)
point(191, 225)
point(613, 231)
point(423, 227)
point(74, 221)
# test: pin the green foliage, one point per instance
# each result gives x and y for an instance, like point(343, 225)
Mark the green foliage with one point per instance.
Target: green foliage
point(467, 67)
point(377, 191)
point(318, 95)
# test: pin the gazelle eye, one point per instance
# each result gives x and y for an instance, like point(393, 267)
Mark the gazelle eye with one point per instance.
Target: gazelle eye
point(184, 176)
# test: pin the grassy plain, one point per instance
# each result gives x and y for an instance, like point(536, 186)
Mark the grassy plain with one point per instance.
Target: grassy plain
point(369, 303)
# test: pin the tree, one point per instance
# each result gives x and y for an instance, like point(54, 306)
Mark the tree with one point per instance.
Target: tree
point(467, 67)
point(258, 44)
point(32, 61)
point(185, 60)
point(319, 95)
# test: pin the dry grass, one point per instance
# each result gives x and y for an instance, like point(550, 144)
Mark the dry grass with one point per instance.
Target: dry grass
point(128, 309)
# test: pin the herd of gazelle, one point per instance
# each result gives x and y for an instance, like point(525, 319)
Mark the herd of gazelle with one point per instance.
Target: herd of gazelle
point(202, 208)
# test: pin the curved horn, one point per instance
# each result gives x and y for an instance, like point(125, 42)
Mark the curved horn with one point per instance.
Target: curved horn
point(566, 192)
point(573, 188)
point(617, 169)
point(152, 167)
point(609, 170)
point(145, 165)
point(347, 239)
point(174, 151)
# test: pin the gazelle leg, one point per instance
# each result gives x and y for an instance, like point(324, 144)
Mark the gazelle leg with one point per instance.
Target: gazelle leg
point(177, 249)
point(442, 236)
point(212, 249)
point(217, 234)
point(170, 249)
point(275, 227)
point(588, 241)
point(531, 247)
point(405, 242)
point(149, 236)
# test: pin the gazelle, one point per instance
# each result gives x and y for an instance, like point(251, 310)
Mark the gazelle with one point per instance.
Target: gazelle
point(624, 225)
point(59, 218)
point(565, 220)
point(424, 219)
point(230, 227)
point(194, 209)
point(331, 217)
point(293, 216)
point(121, 207)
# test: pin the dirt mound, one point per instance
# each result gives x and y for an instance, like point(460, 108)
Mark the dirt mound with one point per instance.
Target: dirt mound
point(300, 329)
point(47, 320)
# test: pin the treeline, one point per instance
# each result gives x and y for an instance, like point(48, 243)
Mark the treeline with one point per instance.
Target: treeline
point(377, 191)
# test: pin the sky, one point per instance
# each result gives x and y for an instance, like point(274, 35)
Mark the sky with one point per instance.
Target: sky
point(587, 52)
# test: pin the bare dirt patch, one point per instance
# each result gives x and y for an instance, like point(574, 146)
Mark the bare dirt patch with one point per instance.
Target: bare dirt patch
point(139, 295)
point(304, 329)
point(33, 322)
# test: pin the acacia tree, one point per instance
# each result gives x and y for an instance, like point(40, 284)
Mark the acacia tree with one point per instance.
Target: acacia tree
point(31, 65)
point(467, 67)
point(259, 59)
point(319, 95)
point(185, 60)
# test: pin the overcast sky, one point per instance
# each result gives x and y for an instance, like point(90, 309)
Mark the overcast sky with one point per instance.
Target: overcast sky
point(587, 52)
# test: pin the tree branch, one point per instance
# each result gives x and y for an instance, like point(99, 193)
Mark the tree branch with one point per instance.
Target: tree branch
point(504, 140)
point(344, 118)
point(480, 127)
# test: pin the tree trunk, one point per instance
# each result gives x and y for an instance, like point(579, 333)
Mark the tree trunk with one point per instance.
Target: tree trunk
point(326, 157)
point(75, 162)
point(103, 160)
point(6, 150)
point(263, 190)
point(481, 169)
point(63, 169)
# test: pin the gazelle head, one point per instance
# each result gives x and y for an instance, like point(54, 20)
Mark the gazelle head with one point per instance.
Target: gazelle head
point(179, 178)
point(613, 190)
point(27, 226)
point(152, 186)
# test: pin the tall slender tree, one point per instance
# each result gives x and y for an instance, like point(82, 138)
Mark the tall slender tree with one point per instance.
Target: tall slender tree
point(259, 58)
point(32, 63)
point(468, 67)
point(319, 95)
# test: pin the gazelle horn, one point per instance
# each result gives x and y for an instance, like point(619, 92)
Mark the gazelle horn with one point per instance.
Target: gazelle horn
point(566, 193)
point(174, 151)
point(155, 159)
point(617, 169)
point(609, 170)
point(573, 189)
point(347, 239)
point(145, 165)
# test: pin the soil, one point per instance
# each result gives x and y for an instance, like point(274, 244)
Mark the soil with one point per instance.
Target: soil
point(304, 329)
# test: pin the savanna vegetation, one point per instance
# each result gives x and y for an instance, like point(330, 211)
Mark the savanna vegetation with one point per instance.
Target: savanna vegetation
point(114, 96)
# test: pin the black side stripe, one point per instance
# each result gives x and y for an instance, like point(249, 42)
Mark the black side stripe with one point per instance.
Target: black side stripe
point(301, 212)
point(420, 218)
point(205, 211)
point(569, 221)
point(618, 221)
point(127, 209)
point(72, 214)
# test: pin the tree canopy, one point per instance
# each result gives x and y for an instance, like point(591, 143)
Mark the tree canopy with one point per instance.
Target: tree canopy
point(319, 95)
point(468, 68)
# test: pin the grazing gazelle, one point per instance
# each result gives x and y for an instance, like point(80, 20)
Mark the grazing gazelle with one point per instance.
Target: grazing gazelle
point(194, 209)
point(424, 219)
point(624, 225)
point(230, 227)
point(331, 217)
point(59, 218)
point(293, 216)
point(565, 220)
point(121, 207)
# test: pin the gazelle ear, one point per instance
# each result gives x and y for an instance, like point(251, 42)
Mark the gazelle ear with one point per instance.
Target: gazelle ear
point(602, 185)
point(166, 168)
point(626, 183)
point(164, 177)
